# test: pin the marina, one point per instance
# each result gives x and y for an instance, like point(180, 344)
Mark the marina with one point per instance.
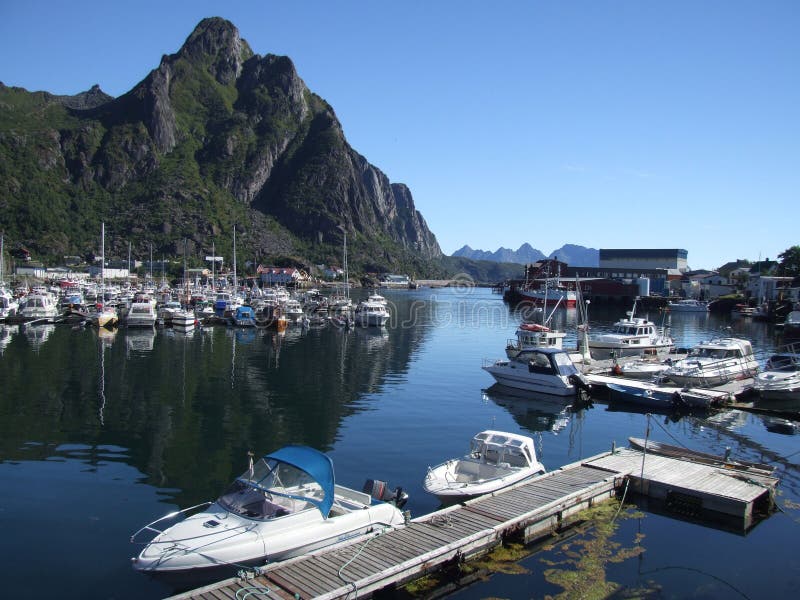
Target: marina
point(537, 508)
point(133, 423)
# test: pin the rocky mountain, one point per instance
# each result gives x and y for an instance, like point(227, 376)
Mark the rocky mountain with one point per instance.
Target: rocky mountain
point(573, 255)
point(216, 135)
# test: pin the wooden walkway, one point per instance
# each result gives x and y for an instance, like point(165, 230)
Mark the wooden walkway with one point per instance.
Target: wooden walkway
point(360, 567)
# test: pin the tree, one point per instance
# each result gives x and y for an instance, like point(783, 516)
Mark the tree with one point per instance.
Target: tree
point(789, 265)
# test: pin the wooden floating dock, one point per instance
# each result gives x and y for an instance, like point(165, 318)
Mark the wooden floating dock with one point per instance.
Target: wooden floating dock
point(360, 567)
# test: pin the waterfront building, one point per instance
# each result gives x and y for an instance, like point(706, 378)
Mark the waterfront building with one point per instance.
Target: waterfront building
point(646, 258)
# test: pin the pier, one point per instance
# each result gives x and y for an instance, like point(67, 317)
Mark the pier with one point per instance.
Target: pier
point(534, 509)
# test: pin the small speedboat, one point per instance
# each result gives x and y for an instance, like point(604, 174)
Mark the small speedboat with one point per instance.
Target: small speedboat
point(285, 504)
point(496, 460)
point(781, 379)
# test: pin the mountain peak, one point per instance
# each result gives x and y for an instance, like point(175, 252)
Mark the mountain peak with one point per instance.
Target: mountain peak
point(216, 44)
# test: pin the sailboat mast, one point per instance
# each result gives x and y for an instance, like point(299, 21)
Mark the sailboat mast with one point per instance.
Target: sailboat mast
point(213, 267)
point(346, 276)
point(235, 286)
point(103, 259)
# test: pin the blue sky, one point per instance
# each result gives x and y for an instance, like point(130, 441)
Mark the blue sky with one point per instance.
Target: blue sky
point(608, 124)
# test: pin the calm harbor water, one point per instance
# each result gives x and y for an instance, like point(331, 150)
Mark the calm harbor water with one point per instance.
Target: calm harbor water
point(102, 433)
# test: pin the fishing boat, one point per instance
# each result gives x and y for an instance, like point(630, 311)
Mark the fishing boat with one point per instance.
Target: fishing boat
point(715, 363)
point(631, 336)
point(542, 370)
point(534, 335)
point(496, 460)
point(284, 504)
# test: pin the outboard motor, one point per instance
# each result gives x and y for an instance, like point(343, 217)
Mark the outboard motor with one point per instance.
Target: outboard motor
point(580, 383)
point(379, 490)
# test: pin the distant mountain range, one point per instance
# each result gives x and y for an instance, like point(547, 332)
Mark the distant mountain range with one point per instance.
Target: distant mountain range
point(575, 256)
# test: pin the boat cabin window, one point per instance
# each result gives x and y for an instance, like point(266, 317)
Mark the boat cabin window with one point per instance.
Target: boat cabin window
point(540, 363)
point(783, 362)
point(564, 364)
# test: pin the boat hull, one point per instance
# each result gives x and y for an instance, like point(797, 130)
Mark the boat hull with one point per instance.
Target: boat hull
point(214, 543)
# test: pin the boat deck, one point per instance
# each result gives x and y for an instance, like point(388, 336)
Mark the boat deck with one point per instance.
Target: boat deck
point(539, 507)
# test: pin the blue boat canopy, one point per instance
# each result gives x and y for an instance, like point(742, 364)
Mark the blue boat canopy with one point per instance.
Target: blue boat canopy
point(297, 475)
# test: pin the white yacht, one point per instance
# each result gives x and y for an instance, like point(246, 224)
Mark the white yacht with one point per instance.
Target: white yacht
point(371, 314)
point(631, 336)
point(142, 314)
point(38, 306)
point(714, 363)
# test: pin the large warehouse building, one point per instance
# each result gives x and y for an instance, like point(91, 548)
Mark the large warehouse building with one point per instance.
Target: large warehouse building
point(644, 259)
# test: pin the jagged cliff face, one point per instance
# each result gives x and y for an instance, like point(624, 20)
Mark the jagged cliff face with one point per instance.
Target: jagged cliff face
point(214, 135)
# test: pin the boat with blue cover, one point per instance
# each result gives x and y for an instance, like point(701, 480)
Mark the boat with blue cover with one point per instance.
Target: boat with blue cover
point(285, 504)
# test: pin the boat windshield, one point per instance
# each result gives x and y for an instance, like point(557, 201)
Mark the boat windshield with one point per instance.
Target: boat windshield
point(271, 489)
point(564, 364)
point(784, 362)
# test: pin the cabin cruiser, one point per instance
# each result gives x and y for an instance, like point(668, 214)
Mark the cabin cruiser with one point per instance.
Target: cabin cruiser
point(714, 363)
point(38, 306)
point(781, 378)
point(496, 460)
point(285, 504)
point(543, 370)
point(184, 320)
point(371, 314)
point(688, 305)
point(142, 313)
point(631, 336)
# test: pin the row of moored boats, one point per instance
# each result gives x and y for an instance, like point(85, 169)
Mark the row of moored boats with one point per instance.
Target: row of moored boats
point(536, 361)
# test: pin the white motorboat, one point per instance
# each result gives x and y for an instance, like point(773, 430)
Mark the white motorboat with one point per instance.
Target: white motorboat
point(142, 314)
point(631, 336)
point(781, 378)
point(167, 311)
point(714, 363)
point(371, 314)
point(496, 460)
point(8, 304)
point(285, 504)
point(543, 370)
point(643, 368)
point(36, 306)
point(293, 310)
point(688, 305)
point(183, 320)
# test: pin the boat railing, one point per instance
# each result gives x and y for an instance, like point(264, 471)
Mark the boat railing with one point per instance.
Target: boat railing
point(150, 527)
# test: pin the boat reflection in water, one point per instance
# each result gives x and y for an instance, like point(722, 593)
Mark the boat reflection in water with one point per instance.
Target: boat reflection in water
point(139, 340)
point(537, 412)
